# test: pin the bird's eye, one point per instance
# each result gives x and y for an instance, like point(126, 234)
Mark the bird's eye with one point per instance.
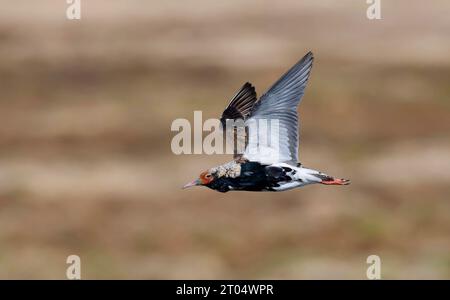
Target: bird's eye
point(208, 176)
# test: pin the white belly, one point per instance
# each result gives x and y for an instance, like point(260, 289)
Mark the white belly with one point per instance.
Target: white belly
point(300, 177)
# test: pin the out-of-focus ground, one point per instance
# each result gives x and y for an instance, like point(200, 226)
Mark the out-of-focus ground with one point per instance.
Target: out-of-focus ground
point(86, 166)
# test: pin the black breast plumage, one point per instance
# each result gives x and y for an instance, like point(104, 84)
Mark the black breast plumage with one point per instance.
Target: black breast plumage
point(254, 176)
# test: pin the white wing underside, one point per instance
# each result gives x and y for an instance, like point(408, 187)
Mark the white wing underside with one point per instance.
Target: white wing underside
point(273, 123)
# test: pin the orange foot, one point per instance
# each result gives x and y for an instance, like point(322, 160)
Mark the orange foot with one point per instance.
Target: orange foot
point(336, 182)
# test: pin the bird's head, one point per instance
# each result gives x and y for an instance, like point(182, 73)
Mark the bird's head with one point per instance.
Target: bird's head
point(205, 178)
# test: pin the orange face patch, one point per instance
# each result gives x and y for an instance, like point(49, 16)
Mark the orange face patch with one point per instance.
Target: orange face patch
point(206, 177)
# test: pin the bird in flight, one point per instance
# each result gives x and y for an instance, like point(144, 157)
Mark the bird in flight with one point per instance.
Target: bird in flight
point(267, 166)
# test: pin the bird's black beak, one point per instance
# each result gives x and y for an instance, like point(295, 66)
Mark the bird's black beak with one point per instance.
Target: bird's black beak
point(193, 183)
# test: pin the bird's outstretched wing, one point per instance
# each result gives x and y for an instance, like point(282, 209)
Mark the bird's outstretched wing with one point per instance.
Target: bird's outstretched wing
point(239, 108)
point(279, 103)
point(240, 105)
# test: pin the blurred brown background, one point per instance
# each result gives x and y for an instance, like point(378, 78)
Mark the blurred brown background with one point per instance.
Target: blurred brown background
point(86, 166)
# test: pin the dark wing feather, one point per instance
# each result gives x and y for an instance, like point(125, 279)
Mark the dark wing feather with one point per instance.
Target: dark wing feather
point(241, 104)
point(240, 107)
